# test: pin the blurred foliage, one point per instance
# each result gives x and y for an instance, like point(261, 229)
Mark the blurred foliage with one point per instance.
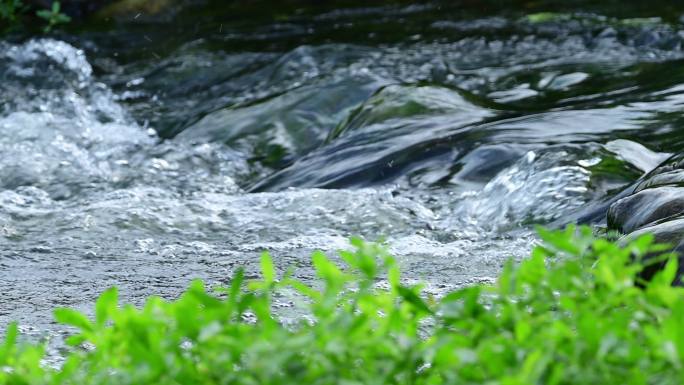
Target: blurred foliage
point(571, 313)
point(53, 16)
point(17, 15)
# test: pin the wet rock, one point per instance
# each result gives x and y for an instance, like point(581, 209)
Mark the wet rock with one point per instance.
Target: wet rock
point(395, 101)
point(669, 173)
point(484, 163)
point(665, 178)
point(646, 207)
point(637, 154)
point(669, 232)
point(655, 205)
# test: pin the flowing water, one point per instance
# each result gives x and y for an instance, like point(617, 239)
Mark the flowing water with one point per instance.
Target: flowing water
point(163, 152)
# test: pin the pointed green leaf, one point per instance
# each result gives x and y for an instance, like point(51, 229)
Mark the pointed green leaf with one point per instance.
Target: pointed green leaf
point(267, 268)
point(73, 318)
point(106, 305)
point(413, 298)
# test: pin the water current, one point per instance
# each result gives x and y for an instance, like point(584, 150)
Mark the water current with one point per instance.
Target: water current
point(141, 160)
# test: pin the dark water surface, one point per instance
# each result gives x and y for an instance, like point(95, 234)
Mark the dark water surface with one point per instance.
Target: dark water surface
point(157, 152)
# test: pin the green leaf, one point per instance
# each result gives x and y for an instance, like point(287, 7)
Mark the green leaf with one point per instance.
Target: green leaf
point(561, 240)
point(75, 340)
point(411, 297)
point(303, 289)
point(10, 341)
point(267, 268)
point(44, 14)
point(326, 269)
point(106, 305)
point(74, 318)
point(236, 286)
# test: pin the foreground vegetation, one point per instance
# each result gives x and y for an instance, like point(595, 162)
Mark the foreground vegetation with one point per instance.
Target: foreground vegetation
point(572, 313)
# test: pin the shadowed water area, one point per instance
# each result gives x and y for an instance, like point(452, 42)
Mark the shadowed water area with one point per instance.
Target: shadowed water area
point(179, 146)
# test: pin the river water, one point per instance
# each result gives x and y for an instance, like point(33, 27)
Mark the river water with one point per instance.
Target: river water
point(150, 155)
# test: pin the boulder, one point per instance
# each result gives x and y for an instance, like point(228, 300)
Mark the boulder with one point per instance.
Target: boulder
point(669, 232)
point(669, 173)
point(645, 208)
point(655, 205)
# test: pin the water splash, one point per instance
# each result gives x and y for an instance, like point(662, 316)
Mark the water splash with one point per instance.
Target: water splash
point(539, 188)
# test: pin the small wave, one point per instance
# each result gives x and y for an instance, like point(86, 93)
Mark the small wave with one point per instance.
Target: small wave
point(539, 188)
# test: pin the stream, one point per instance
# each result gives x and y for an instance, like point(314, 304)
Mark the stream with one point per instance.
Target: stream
point(157, 153)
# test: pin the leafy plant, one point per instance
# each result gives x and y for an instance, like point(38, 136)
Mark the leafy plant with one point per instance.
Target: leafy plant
point(53, 16)
point(571, 313)
point(13, 15)
point(10, 11)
